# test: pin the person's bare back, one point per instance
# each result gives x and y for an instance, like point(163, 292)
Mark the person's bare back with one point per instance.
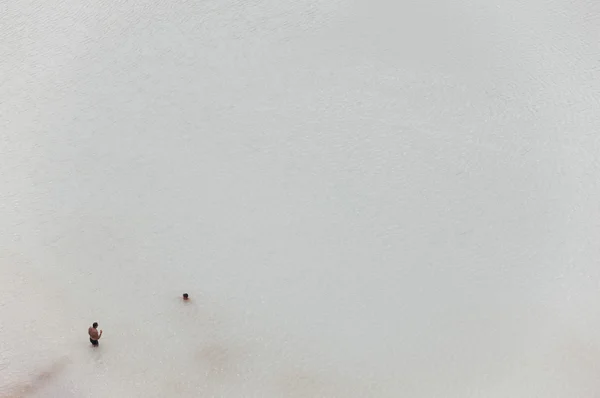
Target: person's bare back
point(94, 335)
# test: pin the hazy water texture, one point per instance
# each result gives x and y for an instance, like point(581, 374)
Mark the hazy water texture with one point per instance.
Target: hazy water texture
point(363, 199)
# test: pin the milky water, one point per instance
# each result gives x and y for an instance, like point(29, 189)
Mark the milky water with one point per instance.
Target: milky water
point(363, 199)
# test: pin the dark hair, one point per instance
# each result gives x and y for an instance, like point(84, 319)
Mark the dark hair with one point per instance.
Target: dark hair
point(95, 324)
point(185, 295)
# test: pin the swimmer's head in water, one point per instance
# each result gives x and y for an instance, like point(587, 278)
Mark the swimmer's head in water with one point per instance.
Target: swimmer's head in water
point(185, 296)
point(95, 324)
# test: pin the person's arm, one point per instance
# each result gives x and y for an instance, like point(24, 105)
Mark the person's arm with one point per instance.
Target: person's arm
point(100, 335)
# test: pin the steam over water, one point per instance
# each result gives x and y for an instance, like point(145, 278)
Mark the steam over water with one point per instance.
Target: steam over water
point(363, 199)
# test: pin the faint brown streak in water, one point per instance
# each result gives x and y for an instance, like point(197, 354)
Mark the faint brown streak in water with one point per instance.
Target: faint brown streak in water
point(300, 383)
point(41, 380)
point(222, 363)
point(216, 356)
point(294, 382)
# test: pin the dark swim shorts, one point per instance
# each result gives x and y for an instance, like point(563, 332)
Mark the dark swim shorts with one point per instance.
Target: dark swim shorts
point(94, 342)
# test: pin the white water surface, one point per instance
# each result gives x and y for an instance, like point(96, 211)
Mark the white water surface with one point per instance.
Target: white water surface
point(363, 199)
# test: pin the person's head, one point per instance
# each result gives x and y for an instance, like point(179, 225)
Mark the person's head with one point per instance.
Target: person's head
point(95, 325)
point(185, 296)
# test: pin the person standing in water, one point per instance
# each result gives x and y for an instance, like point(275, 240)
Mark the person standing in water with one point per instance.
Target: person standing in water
point(186, 297)
point(94, 336)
